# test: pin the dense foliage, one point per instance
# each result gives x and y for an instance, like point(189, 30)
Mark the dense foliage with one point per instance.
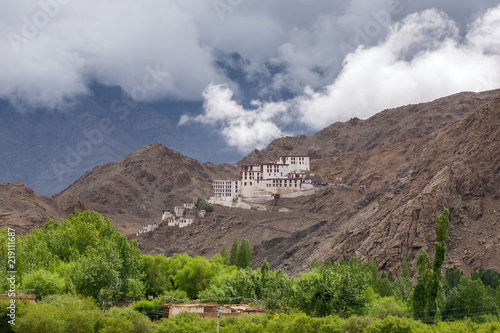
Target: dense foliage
point(73, 264)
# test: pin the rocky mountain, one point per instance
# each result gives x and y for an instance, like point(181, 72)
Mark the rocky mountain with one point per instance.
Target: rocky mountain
point(404, 185)
point(48, 150)
point(22, 209)
point(135, 189)
point(392, 173)
point(384, 205)
point(388, 126)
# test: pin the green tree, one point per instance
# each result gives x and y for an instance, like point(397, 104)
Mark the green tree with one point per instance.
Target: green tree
point(469, 299)
point(195, 276)
point(498, 296)
point(372, 268)
point(203, 204)
point(223, 253)
point(421, 292)
point(489, 277)
point(156, 274)
point(403, 285)
point(387, 306)
point(425, 300)
point(233, 254)
point(442, 223)
point(95, 271)
point(244, 255)
point(451, 278)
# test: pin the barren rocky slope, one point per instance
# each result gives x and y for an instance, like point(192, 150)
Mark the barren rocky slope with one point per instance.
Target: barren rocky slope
point(388, 126)
point(22, 210)
point(385, 209)
point(406, 185)
point(393, 185)
point(133, 190)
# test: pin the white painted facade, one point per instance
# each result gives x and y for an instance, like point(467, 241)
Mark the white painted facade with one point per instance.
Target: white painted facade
point(184, 222)
point(226, 189)
point(262, 180)
point(180, 222)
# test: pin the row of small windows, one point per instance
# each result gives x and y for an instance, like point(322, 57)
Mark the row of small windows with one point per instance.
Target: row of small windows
point(279, 185)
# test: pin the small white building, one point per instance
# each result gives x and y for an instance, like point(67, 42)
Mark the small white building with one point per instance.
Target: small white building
point(184, 222)
point(165, 215)
point(173, 221)
point(178, 210)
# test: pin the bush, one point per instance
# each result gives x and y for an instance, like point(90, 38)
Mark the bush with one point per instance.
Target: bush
point(203, 204)
point(397, 325)
point(22, 307)
point(147, 308)
point(357, 324)
point(387, 306)
point(41, 318)
point(186, 323)
point(44, 283)
point(139, 322)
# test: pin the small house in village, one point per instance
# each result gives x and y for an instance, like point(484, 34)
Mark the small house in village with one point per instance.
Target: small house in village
point(211, 310)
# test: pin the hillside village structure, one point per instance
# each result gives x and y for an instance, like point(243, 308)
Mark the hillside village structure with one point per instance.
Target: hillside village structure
point(264, 180)
point(183, 216)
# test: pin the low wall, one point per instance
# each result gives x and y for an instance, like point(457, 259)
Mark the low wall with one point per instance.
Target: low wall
point(299, 194)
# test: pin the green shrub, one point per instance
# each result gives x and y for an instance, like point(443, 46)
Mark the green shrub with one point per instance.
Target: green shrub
point(41, 318)
point(357, 324)
point(139, 322)
point(22, 307)
point(396, 325)
point(147, 308)
point(387, 306)
point(186, 323)
point(44, 283)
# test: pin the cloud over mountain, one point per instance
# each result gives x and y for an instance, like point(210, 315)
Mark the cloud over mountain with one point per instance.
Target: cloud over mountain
point(423, 57)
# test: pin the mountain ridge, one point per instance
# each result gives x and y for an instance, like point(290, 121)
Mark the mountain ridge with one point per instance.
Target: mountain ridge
point(390, 125)
point(383, 206)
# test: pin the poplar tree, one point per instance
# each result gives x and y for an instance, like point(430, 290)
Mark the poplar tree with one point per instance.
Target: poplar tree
point(244, 255)
point(428, 284)
point(223, 253)
point(442, 223)
point(233, 254)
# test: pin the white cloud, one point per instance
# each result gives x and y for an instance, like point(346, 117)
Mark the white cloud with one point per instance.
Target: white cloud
point(422, 59)
point(113, 42)
point(241, 128)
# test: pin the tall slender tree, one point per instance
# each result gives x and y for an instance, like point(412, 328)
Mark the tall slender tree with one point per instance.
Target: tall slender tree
point(233, 254)
point(442, 223)
point(223, 253)
point(426, 291)
point(244, 255)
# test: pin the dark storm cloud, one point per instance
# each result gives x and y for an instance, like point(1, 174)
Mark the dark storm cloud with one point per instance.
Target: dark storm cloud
point(51, 50)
